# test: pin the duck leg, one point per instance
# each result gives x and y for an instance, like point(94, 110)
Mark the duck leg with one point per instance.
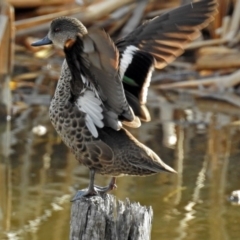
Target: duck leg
point(112, 185)
point(91, 189)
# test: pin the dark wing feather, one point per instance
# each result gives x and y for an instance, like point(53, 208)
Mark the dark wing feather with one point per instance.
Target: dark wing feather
point(140, 71)
point(103, 67)
point(73, 62)
point(164, 37)
point(158, 42)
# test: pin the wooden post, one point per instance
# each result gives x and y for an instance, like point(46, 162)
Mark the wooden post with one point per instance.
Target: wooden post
point(101, 218)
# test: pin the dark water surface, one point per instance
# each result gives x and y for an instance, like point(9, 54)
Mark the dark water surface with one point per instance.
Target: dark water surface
point(201, 140)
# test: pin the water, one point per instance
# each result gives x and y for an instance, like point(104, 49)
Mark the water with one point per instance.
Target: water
point(201, 140)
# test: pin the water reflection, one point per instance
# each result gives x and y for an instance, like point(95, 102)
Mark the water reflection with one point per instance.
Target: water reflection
point(201, 140)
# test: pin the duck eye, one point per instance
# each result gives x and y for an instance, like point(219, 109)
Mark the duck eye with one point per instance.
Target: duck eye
point(57, 29)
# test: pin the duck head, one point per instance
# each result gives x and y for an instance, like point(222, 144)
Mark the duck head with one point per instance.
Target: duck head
point(61, 30)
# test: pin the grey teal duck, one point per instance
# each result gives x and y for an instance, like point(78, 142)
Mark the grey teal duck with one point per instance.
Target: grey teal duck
point(104, 85)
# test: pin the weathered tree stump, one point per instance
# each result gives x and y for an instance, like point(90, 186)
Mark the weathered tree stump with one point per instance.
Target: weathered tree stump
point(106, 218)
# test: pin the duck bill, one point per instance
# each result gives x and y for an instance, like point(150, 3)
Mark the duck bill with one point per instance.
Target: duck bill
point(44, 41)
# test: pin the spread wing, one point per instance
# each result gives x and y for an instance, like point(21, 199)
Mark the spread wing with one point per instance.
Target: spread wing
point(164, 37)
point(157, 43)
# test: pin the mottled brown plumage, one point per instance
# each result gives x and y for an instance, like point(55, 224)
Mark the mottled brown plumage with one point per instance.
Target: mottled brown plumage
point(113, 152)
point(91, 101)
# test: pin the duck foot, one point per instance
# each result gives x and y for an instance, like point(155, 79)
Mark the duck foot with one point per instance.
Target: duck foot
point(95, 190)
point(111, 186)
point(86, 194)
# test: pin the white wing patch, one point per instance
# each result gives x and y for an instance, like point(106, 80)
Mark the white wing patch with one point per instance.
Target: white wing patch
point(144, 92)
point(85, 81)
point(126, 59)
point(91, 105)
point(88, 84)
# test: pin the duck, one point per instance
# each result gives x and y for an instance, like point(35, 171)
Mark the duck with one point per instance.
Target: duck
point(103, 87)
